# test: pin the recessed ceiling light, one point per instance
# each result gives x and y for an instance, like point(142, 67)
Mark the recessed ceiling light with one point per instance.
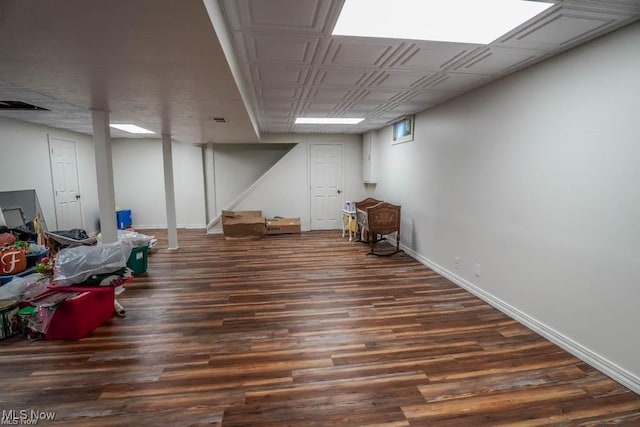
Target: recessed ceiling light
point(461, 21)
point(327, 121)
point(131, 128)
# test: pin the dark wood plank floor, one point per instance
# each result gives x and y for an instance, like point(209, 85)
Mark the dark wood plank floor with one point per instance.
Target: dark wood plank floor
point(305, 330)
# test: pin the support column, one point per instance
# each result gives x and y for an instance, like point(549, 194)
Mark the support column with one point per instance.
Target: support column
point(208, 165)
point(104, 174)
point(169, 191)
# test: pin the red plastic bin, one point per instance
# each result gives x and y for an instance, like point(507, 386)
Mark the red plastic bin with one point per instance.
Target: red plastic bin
point(80, 315)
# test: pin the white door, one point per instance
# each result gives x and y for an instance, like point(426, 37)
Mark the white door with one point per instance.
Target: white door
point(326, 186)
point(64, 172)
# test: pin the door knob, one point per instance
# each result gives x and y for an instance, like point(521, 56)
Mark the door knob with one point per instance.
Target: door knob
point(339, 191)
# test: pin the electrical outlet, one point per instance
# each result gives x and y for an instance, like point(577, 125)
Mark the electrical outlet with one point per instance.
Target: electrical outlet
point(477, 270)
point(456, 262)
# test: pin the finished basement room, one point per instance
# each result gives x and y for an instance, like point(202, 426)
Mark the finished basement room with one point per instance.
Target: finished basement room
point(320, 212)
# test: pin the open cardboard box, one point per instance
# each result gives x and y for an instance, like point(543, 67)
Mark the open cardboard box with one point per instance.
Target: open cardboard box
point(283, 225)
point(243, 224)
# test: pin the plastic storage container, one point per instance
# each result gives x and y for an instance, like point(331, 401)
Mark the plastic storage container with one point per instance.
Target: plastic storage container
point(78, 316)
point(123, 218)
point(138, 260)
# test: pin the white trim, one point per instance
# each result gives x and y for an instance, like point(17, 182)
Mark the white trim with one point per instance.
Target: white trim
point(597, 361)
point(164, 226)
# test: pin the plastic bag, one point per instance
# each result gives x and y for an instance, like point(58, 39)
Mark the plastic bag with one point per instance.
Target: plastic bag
point(75, 265)
point(135, 238)
point(23, 288)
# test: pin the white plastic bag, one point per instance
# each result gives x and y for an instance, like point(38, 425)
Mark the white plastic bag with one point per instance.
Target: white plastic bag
point(75, 265)
point(136, 239)
point(22, 288)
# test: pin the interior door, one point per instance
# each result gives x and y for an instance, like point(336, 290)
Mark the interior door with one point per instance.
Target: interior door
point(326, 186)
point(64, 172)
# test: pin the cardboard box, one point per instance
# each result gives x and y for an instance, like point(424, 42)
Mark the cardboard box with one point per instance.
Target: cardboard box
point(283, 225)
point(243, 224)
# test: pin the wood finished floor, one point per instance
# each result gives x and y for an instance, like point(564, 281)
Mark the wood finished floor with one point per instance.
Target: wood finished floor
point(305, 330)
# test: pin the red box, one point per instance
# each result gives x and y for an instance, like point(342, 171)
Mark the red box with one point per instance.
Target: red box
point(78, 316)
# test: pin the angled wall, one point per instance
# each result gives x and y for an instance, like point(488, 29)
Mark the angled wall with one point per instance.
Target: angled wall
point(283, 190)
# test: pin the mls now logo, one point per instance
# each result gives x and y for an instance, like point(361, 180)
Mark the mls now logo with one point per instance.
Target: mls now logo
point(25, 417)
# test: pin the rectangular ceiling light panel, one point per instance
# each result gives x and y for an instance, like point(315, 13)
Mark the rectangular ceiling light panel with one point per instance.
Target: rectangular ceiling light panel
point(131, 128)
point(460, 21)
point(327, 121)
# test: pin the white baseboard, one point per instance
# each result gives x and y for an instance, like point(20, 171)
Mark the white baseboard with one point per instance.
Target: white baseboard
point(583, 353)
point(164, 226)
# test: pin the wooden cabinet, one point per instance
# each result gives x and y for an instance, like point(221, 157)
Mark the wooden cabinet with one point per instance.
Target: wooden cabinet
point(368, 158)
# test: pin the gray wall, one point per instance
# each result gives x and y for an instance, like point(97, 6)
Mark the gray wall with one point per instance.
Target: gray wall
point(536, 178)
point(24, 165)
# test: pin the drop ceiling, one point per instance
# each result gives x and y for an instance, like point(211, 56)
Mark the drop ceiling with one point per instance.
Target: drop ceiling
point(169, 66)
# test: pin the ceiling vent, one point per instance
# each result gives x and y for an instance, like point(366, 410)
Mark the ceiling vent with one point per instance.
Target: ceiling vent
point(218, 119)
point(19, 105)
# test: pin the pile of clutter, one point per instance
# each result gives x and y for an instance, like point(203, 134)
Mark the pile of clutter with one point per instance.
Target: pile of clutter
point(66, 288)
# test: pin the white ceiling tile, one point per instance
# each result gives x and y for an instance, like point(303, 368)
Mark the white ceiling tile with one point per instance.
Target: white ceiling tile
point(320, 107)
point(457, 81)
point(276, 114)
point(280, 92)
point(340, 77)
point(562, 29)
point(286, 55)
point(401, 79)
point(361, 53)
point(280, 75)
point(288, 50)
point(495, 60)
point(426, 56)
point(278, 104)
point(330, 93)
point(377, 96)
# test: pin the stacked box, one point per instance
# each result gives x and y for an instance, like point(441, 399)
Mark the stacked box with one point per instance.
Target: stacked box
point(283, 225)
point(243, 224)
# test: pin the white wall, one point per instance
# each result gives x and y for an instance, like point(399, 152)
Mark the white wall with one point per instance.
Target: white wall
point(24, 164)
point(139, 183)
point(537, 178)
point(237, 166)
point(284, 190)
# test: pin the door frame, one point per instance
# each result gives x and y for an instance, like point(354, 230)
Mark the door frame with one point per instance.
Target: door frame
point(309, 152)
point(51, 137)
